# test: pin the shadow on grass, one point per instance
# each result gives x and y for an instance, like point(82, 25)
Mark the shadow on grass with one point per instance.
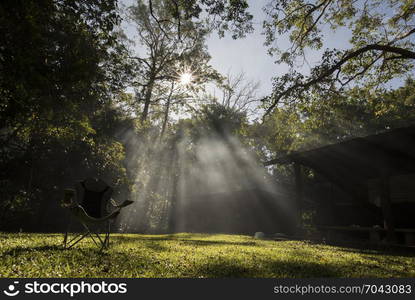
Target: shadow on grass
point(22, 250)
point(301, 264)
point(232, 269)
point(182, 239)
point(17, 251)
point(374, 263)
point(366, 248)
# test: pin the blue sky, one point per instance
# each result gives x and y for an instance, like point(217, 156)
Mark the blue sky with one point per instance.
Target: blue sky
point(250, 55)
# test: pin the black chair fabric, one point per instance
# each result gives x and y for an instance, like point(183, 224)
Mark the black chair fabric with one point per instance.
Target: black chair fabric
point(93, 202)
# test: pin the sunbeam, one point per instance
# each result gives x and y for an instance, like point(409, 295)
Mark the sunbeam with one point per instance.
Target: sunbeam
point(186, 78)
point(211, 185)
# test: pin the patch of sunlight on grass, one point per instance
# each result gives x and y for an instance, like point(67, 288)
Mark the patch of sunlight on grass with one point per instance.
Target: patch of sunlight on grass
point(193, 255)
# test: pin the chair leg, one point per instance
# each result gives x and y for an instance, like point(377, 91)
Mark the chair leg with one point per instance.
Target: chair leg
point(65, 238)
point(93, 239)
point(80, 238)
point(93, 234)
point(102, 242)
point(107, 235)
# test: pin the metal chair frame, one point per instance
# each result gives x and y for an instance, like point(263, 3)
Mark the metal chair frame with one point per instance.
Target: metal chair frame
point(88, 222)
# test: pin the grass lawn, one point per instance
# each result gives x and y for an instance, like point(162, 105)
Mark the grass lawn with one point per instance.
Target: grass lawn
point(193, 255)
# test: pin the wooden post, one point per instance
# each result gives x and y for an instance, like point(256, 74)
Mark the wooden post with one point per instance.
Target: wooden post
point(331, 206)
point(385, 201)
point(298, 194)
point(384, 166)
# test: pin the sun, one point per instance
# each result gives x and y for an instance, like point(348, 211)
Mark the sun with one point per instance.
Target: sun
point(186, 78)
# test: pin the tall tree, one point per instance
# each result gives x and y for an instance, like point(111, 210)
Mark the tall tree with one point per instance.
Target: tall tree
point(321, 121)
point(61, 63)
point(220, 15)
point(240, 94)
point(167, 57)
point(380, 48)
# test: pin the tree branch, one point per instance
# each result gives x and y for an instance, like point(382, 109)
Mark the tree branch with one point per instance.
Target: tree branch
point(150, 4)
point(309, 29)
point(404, 53)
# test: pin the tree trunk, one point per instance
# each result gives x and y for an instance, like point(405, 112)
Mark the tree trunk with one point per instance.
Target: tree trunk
point(172, 213)
point(298, 194)
point(147, 100)
point(166, 113)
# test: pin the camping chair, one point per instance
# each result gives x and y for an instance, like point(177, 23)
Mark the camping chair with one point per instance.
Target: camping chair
point(94, 209)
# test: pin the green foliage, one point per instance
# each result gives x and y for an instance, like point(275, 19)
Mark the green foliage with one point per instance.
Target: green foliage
point(65, 114)
point(167, 56)
point(55, 57)
point(380, 48)
point(61, 63)
point(220, 15)
point(323, 120)
point(217, 119)
point(194, 255)
point(320, 121)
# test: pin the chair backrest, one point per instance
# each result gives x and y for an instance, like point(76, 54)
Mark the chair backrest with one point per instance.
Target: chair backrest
point(95, 197)
point(68, 197)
